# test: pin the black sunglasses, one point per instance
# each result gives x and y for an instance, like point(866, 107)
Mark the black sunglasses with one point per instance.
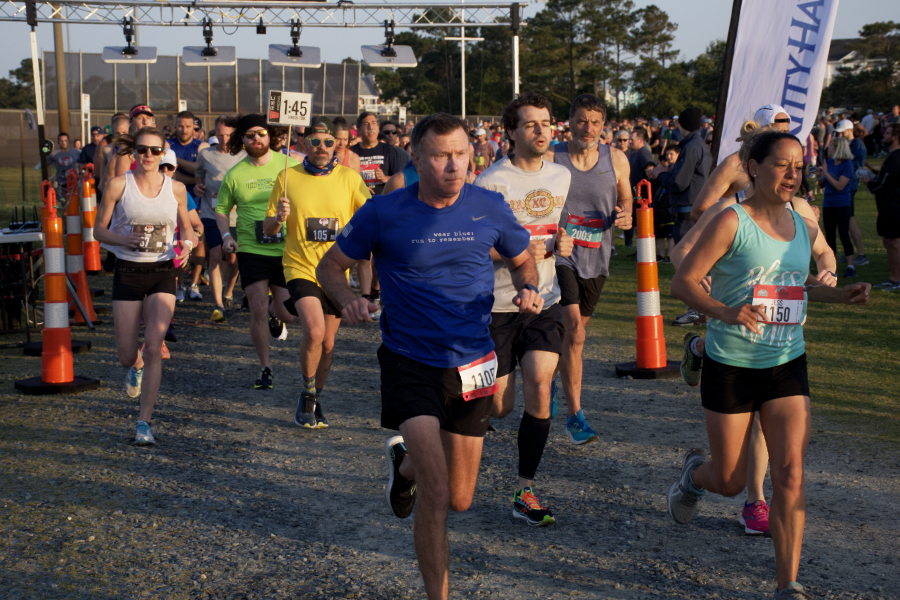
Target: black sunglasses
point(782, 120)
point(166, 168)
point(316, 142)
point(155, 150)
point(390, 132)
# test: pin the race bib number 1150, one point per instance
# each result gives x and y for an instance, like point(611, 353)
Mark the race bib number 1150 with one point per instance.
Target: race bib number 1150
point(783, 304)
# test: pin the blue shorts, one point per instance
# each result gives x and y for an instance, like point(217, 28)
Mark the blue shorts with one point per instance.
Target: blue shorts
point(211, 233)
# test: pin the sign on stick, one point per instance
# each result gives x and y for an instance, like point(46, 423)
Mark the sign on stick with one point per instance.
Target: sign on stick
point(289, 108)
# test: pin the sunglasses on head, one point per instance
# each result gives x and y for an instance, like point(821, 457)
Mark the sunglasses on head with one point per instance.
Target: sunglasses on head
point(251, 135)
point(316, 142)
point(155, 150)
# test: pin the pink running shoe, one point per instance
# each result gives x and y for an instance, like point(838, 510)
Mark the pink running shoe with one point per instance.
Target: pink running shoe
point(755, 518)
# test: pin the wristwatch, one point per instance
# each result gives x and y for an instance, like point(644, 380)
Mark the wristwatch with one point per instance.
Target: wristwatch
point(528, 286)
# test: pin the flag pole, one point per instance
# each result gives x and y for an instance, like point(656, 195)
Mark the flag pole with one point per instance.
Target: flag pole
point(726, 79)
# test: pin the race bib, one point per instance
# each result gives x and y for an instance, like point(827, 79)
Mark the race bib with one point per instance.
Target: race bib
point(479, 160)
point(368, 174)
point(322, 230)
point(213, 200)
point(587, 232)
point(542, 232)
point(262, 238)
point(479, 378)
point(154, 238)
point(783, 304)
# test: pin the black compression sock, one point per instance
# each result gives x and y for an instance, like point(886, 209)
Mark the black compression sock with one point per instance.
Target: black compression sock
point(533, 434)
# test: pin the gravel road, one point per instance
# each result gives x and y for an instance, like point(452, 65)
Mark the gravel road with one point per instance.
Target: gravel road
point(237, 502)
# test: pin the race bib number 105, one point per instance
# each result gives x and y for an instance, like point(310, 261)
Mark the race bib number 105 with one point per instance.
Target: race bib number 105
point(322, 230)
point(782, 304)
point(479, 378)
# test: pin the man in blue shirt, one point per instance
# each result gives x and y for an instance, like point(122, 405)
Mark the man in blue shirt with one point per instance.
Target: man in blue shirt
point(431, 243)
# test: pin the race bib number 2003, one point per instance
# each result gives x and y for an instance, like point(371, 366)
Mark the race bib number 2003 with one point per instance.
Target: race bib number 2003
point(783, 304)
point(587, 232)
point(479, 378)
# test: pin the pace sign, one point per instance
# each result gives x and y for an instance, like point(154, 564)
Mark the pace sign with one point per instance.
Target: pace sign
point(289, 108)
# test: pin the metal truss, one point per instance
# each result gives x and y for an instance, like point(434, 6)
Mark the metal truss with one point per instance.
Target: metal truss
point(271, 14)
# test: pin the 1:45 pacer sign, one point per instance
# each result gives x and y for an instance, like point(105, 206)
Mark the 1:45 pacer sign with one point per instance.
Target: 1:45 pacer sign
point(289, 108)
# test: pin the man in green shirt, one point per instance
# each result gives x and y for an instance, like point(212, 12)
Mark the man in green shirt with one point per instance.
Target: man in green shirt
point(247, 186)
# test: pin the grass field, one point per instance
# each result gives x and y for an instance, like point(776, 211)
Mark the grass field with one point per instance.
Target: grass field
point(853, 352)
point(11, 191)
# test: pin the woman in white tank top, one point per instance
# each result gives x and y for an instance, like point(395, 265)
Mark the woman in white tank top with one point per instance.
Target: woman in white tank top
point(147, 206)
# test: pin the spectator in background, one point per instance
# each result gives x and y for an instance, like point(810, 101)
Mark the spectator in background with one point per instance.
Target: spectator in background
point(690, 171)
point(845, 129)
point(64, 158)
point(484, 152)
point(886, 188)
point(88, 152)
point(868, 121)
point(837, 173)
point(639, 159)
point(621, 142)
point(894, 117)
point(677, 134)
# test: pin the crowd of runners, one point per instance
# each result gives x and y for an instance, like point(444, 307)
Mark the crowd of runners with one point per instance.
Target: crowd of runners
point(482, 252)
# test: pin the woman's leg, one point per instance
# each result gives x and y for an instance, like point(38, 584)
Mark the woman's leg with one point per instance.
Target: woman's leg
point(787, 423)
point(829, 225)
point(725, 472)
point(127, 319)
point(158, 310)
point(843, 227)
point(757, 463)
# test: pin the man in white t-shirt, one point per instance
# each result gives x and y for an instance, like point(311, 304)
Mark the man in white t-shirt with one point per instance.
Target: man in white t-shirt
point(535, 191)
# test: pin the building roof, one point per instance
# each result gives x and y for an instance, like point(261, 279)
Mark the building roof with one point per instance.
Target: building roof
point(840, 49)
point(367, 86)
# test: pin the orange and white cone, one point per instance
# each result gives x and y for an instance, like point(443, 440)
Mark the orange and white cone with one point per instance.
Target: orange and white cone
point(75, 249)
point(651, 343)
point(56, 357)
point(92, 262)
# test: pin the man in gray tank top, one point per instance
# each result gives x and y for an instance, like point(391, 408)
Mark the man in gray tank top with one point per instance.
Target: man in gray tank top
point(599, 197)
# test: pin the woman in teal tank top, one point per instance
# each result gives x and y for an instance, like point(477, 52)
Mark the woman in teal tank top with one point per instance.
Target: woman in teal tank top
point(758, 254)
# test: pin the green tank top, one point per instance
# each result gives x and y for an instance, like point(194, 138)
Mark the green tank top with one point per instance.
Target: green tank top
point(756, 259)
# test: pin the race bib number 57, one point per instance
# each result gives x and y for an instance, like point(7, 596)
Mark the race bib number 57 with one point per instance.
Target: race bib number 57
point(154, 238)
point(479, 378)
point(782, 304)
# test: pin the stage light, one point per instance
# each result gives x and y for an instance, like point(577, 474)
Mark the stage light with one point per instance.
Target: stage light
point(201, 56)
point(129, 53)
point(283, 55)
point(389, 55)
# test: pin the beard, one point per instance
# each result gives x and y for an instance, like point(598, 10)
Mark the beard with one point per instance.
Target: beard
point(255, 151)
point(319, 160)
point(584, 145)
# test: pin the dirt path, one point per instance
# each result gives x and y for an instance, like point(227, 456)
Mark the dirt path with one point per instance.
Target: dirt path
point(235, 501)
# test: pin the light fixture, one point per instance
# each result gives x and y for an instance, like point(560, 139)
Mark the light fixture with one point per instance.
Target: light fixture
point(129, 53)
point(201, 56)
point(260, 29)
point(282, 55)
point(389, 55)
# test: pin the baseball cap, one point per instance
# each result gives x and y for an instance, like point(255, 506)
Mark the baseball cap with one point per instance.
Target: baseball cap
point(321, 125)
point(481, 131)
point(198, 123)
point(766, 115)
point(96, 129)
point(169, 158)
point(675, 117)
point(843, 125)
point(140, 109)
point(213, 140)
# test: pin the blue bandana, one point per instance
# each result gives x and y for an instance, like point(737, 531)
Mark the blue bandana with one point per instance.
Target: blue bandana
point(314, 170)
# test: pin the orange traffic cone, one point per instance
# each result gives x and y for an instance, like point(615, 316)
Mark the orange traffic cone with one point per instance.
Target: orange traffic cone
point(651, 343)
point(56, 358)
point(75, 250)
point(92, 262)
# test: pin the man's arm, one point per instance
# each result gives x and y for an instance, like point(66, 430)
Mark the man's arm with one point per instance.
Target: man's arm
point(680, 177)
point(397, 181)
point(333, 282)
point(624, 197)
point(725, 181)
point(525, 279)
point(189, 165)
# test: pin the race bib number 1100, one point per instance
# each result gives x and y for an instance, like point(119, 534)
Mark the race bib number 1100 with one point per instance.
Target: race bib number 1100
point(479, 378)
point(783, 304)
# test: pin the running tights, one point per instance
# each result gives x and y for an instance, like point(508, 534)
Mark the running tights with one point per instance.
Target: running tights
point(838, 217)
point(533, 434)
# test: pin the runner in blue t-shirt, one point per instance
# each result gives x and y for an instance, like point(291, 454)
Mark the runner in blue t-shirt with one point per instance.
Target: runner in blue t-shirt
point(431, 242)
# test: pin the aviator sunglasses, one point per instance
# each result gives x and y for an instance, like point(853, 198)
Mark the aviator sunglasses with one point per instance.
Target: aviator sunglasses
point(251, 135)
point(155, 150)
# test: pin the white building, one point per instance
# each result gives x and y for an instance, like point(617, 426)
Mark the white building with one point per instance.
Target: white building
point(369, 100)
point(840, 55)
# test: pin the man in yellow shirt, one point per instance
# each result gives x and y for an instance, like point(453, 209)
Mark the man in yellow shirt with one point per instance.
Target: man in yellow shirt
point(321, 198)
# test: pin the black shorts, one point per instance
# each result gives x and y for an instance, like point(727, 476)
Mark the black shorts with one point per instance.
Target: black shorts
point(514, 334)
point(735, 390)
point(575, 290)
point(888, 227)
point(301, 288)
point(133, 281)
point(259, 267)
point(413, 389)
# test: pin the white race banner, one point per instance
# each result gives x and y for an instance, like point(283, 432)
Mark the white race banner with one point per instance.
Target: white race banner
point(779, 58)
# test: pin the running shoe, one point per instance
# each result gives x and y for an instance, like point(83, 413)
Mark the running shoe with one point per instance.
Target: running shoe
point(553, 405)
point(690, 364)
point(885, 284)
point(228, 305)
point(277, 329)
point(850, 272)
point(170, 333)
point(613, 252)
point(664, 260)
point(179, 295)
point(321, 421)
point(306, 411)
point(755, 518)
point(860, 260)
point(133, 382)
point(894, 287)
point(245, 306)
point(195, 293)
point(265, 379)
point(143, 436)
point(218, 315)
point(164, 352)
point(354, 282)
point(683, 495)
point(579, 431)
point(526, 506)
point(401, 492)
point(793, 591)
point(203, 278)
point(691, 317)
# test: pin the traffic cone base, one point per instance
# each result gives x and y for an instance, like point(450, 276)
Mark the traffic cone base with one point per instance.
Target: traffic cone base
point(33, 386)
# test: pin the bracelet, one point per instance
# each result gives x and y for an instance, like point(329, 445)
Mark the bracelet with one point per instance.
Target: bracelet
point(226, 234)
point(189, 242)
point(528, 286)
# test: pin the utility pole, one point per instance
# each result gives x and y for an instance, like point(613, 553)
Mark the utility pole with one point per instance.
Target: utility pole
point(462, 44)
point(61, 90)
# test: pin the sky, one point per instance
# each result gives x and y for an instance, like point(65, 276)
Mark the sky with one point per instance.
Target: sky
point(699, 22)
